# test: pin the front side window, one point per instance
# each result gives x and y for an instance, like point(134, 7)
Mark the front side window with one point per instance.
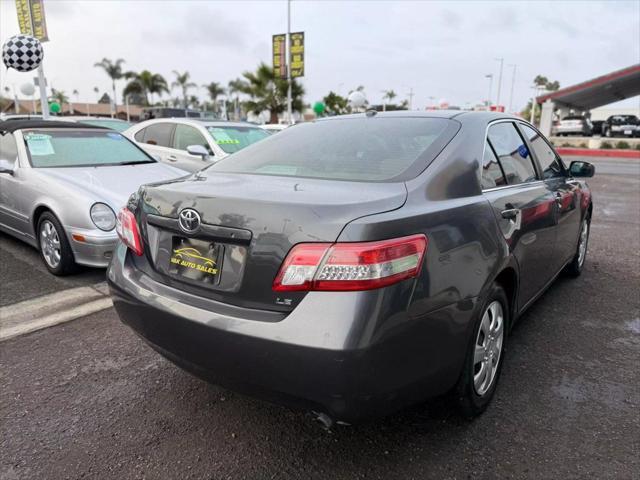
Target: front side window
point(186, 136)
point(232, 139)
point(159, 134)
point(81, 148)
point(381, 149)
point(512, 152)
point(492, 175)
point(8, 150)
point(549, 161)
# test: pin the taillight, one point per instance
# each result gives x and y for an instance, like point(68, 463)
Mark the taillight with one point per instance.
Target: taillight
point(351, 266)
point(127, 229)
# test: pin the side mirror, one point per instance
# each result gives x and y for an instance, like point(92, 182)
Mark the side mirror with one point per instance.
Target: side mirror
point(6, 167)
point(198, 151)
point(581, 169)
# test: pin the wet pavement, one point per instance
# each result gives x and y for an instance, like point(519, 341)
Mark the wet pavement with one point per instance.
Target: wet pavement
point(88, 399)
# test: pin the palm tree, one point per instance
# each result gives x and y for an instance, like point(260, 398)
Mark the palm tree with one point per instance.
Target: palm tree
point(267, 92)
point(234, 88)
point(182, 82)
point(194, 102)
point(146, 84)
point(114, 71)
point(59, 96)
point(335, 103)
point(388, 95)
point(215, 90)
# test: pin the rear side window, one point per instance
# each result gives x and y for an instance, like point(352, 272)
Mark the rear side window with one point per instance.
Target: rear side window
point(367, 149)
point(492, 175)
point(186, 136)
point(139, 136)
point(549, 161)
point(8, 150)
point(159, 134)
point(512, 152)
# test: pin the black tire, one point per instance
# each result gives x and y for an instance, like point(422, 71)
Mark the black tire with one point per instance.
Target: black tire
point(574, 269)
point(67, 263)
point(470, 402)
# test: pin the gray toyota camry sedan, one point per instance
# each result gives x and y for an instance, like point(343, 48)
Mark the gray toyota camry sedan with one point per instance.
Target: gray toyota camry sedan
point(354, 265)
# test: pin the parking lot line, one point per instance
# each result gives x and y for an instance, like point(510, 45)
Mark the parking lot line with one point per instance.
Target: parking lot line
point(53, 309)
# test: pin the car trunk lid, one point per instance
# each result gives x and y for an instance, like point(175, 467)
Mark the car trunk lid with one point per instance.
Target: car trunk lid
point(249, 224)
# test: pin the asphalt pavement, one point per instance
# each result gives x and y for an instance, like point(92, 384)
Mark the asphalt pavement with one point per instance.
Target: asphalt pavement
point(88, 399)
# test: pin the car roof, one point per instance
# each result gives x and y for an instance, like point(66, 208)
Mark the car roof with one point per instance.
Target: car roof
point(13, 125)
point(450, 114)
point(196, 121)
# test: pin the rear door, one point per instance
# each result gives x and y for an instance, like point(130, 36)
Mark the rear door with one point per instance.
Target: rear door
point(183, 137)
point(523, 205)
point(156, 139)
point(566, 192)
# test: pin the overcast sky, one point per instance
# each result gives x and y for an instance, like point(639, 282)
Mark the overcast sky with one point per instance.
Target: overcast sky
point(440, 49)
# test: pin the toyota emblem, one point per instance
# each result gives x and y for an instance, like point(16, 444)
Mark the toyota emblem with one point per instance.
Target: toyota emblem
point(189, 220)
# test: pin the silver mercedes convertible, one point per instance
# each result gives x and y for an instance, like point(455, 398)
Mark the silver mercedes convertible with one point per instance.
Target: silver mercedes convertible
point(60, 184)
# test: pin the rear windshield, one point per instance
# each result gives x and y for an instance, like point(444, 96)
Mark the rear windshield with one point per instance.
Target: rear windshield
point(232, 139)
point(81, 148)
point(374, 149)
point(624, 120)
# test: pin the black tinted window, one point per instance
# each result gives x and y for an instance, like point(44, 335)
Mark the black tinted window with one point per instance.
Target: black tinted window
point(159, 134)
point(512, 152)
point(8, 150)
point(491, 176)
point(358, 149)
point(551, 166)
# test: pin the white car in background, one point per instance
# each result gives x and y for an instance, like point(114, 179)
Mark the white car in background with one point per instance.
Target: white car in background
point(192, 144)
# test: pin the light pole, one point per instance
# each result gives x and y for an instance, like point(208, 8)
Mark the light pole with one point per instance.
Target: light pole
point(490, 77)
point(501, 60)
point(513, 82)
point(288, 50)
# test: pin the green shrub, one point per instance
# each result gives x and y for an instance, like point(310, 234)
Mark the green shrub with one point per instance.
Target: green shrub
point(583, 145)
point(623, 145)
point(606, 146)
point(637, 146)
point(566, 144)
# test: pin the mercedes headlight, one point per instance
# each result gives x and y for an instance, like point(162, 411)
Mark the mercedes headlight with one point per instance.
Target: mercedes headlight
point(102, 216)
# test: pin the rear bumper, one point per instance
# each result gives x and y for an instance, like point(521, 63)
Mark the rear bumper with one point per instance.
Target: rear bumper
point(329, 355)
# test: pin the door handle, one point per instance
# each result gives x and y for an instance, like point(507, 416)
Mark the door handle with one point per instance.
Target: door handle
point(172, 158)
point(510, 214)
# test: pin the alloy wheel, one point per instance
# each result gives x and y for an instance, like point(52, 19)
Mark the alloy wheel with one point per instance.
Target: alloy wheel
point(50, 244)
point(582, 246)
point(488, 348)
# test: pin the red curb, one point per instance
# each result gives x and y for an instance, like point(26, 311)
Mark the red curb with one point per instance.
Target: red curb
point(599, 152)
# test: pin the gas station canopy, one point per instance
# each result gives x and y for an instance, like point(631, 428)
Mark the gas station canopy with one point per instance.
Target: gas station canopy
point(600, 91)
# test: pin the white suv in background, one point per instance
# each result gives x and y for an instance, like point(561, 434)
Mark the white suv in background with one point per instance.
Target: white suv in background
point(191, 144)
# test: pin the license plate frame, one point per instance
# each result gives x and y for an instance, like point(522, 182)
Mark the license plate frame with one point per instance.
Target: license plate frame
point(195, 260)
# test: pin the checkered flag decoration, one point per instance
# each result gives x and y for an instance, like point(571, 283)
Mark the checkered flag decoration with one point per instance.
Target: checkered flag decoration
point(22, 53)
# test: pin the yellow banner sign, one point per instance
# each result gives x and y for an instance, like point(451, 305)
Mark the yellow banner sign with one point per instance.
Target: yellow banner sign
point(31, 18)
point(279, 56)
point(297, 54)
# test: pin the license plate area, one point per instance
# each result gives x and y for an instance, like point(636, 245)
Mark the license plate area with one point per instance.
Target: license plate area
point(196, 261)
